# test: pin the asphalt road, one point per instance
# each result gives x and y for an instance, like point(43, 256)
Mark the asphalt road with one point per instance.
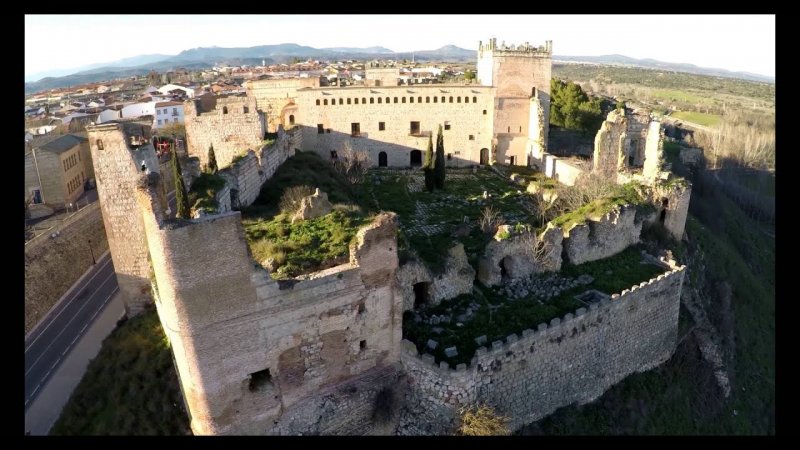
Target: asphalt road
point(52, 340)
point(47, 345)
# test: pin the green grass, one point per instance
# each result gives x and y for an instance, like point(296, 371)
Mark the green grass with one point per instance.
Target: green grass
point(305, 246)
point(304, 168)
point(309, 245)
point(611, 275)
point(446, 208)
point(708, 120)
point(130, 388)
point(682, 96)
point(625, 194)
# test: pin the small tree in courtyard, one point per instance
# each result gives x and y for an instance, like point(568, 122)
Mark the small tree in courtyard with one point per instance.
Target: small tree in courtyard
point(181, 198)
point(212, 160)
point(429, 166)
point(438, 169)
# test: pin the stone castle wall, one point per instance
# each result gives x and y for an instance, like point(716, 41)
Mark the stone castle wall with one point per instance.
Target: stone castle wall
point(598, 239)
point(52, 265)
point(231, 133)
point(273, 96)
point(231, 326)
point(573, 360)
point(249, 173)
point(467, 109)
point(117, 167)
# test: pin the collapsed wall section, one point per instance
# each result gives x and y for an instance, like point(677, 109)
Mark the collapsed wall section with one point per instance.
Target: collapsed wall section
point(597, 239)
point(571, 360)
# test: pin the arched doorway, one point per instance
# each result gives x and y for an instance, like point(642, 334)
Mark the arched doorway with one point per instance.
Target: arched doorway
point(416, 158)
point(484, 156)
point(291, 119)
point(382, 162)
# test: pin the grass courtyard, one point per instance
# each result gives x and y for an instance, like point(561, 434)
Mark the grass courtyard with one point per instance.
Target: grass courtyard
point(429, 221)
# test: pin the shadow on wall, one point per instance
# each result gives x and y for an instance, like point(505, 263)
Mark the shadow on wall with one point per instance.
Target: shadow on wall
point(331, 145)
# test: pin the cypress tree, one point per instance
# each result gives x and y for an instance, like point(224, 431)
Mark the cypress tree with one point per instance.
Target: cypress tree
point(429, 166)
point(181, 198)
point(212, 160)
point(438, 169)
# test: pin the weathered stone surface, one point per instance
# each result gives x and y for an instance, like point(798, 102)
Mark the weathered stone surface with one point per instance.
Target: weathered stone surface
point(548, 366)
point(598, 239)
point(313, 206)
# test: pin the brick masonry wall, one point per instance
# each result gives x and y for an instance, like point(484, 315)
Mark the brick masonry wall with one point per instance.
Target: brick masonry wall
point(574, 359)
point(52, 265)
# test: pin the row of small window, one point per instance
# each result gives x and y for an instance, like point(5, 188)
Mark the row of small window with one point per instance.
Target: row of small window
point(174, 111)
point(71, 161)
point(401, 100)
point(166, 121)
point(355, 128)
point(75, 183)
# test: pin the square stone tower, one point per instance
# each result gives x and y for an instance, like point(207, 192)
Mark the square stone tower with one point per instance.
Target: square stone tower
point(520, 73)
point(119, 150)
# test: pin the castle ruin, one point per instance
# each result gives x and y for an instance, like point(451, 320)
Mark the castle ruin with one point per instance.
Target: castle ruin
point(322, 353)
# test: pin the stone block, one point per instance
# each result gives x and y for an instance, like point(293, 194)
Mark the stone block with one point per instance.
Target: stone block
point(432, 344)
point(527, 332)
point(555, 322)
point(461, 367)
point(409, 347)
point(428, 358)
point(451, 352)
point(580, 312)
point(480, 340)
point(512, 338)
point(496, 345)
point(444, 366)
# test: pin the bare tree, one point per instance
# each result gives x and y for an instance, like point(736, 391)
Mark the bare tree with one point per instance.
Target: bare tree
point(490, 220)
point(536, 248)
point(352, 164)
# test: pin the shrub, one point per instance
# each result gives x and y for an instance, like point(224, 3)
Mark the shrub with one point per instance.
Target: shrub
point(482, 420)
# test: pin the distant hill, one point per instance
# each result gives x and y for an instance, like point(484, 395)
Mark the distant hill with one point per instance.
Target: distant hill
point(370, 50)
point(655, 64)
point(204, 57)
point(103, 67)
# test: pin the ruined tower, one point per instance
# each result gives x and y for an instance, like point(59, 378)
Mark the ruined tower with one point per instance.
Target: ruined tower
point(119, 151)
point(521, 75)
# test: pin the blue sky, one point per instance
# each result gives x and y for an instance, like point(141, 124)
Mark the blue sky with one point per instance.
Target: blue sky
point(733, 42)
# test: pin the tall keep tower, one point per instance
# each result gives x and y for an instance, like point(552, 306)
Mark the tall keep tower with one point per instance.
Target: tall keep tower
point(119, 150)
point(521, 75)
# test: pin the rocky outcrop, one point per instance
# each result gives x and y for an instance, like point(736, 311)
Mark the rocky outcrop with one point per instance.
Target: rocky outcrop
point(313, 206)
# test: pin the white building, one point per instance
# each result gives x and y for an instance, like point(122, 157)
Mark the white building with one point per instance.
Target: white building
point(167, 88)
point(168, 113)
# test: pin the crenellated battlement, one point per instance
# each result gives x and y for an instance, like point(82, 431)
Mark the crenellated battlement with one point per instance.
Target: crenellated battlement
point(573, 359)
point(524, 49)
